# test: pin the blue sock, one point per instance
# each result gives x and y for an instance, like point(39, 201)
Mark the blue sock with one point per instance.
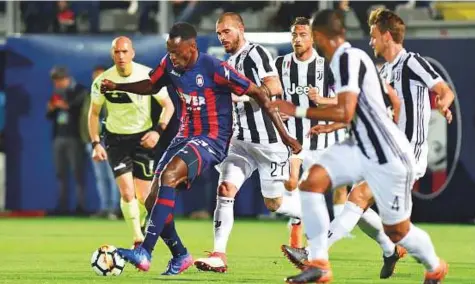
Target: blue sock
point(164, 206)
point(172, 240)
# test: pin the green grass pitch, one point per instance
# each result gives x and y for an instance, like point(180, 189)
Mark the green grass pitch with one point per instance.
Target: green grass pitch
point(58, 250)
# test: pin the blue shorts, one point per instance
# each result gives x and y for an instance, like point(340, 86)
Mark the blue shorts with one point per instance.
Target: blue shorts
point(196, 152)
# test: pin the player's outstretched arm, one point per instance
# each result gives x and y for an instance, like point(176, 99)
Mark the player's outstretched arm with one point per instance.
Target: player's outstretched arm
point(445, 98)
point(261, 95)
point(144, 87)
point(325, 128)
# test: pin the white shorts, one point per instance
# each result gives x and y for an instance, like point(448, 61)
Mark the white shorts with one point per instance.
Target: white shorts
point(390, 183)
point(309, 157)
point(271, 160)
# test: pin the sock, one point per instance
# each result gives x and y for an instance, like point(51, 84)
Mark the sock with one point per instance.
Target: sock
point(290, 206)
point(342, 225)
point(419, 245)
point(370, 223)
point(295, 221)
point(337, 209)
point(171, 238)
point(162, 210)
point(223, 223)
point(143, 213)
point(131, 213)
point(317, 222)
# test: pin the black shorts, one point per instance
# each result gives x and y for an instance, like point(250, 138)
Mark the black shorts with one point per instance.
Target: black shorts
point(125, 154)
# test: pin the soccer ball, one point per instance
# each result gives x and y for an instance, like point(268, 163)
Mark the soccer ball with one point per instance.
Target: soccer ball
point(105, 261)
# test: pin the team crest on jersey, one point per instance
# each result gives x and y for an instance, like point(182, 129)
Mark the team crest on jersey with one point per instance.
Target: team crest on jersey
point(200, 81)
point(444, 144)
point(319, 75)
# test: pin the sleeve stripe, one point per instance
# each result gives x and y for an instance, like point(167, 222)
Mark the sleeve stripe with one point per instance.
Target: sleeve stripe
point(426, 66)
point(344, 75)
point(264, 58)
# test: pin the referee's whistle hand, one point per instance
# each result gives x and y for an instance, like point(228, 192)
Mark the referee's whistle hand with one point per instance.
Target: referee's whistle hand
point(150, 139)
point(107, 85)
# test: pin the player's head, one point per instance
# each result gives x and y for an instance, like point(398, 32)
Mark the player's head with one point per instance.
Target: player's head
point(230, 31)
point(122, 52)
point(60, 77)
point(328, 29)
point(181, 45)
point(386, 29)
point(98, 70)
point(302, 40)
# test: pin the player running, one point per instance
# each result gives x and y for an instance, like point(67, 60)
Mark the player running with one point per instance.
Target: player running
point(204, 85)
point(254, 146)
point(379, 153)
point(130, 139)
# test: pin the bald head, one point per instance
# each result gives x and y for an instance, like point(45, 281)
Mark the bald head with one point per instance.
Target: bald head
point(231, 17)
point(230, 31)
point(122, 53)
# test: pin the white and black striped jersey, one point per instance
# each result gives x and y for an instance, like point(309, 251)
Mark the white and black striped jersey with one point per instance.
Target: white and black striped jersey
point(412, 77)
point(372, 128)
point(297, 77)
point(251, 123)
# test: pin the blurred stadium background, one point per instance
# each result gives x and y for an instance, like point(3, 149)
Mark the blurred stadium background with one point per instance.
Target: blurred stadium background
point(35, 36)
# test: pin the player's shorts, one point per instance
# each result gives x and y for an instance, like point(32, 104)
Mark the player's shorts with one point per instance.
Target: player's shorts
point(390, 183)
point(271, 160)
point(125, 155)
point(309, 157)
point(421, 162)
point(197, 152)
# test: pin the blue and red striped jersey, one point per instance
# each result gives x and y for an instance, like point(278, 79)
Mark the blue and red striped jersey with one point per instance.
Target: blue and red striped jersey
point(204, 90)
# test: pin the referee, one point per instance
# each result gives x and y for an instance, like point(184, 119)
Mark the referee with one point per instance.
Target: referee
point(130, 137)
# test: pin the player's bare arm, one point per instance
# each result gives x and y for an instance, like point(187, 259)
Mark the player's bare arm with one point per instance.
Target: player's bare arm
point(320, 100)
point(342, 112)
point(261, 96)
point(144, 87)
point(274, 85)
point(326, 128)
point(98, 151)
point(444, 99)
point(395, 102)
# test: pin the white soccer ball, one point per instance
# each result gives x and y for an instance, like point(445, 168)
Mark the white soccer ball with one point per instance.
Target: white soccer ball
point(105, 261)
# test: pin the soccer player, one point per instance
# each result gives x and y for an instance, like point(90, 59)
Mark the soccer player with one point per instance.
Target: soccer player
point(378, 150)
point(254, 146)
point(204, 85)
point(130, 140)
point(307, 81)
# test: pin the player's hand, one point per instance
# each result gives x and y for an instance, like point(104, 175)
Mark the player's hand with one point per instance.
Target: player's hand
point(99, 153)
point(291, 184)
point(284, 117)
point(150, 139)
point(293, 143)
point(444, 109)
point(107, 85)
point(319, 129)
point(313, 95)
point(284, 107)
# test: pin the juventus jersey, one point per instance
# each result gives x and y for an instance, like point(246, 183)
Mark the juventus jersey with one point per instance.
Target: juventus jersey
point(297, 77)
point(412, 77)
point(251, 123)
point(372, 129)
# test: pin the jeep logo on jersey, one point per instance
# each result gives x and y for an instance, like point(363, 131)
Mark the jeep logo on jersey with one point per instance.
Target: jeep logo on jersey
point(444, 145)
point(300, 90)
point(200, 81)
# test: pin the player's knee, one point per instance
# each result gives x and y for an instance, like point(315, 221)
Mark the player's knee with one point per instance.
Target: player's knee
point(317, 180)
point(227, 189)
point(361, 196)
point(273, 204)
point(398, 231)
point(127, 195)
point(170, 178)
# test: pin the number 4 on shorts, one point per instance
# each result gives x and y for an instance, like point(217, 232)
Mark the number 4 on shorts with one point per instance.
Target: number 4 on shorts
point(395, 205)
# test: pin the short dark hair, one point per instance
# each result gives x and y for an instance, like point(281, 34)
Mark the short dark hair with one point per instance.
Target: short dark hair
point(330, 22)
point(183, 30)
point(300, 21)
point(59, 72)
point(388, 21)
point(99, 67)
point(233, 15)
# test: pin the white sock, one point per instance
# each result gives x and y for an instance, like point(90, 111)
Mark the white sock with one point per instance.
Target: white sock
point(290, 206)
point(370, 223)
point(419, 245)
point(317, 222)
point(223, 223)
point(337, 209)
point(342, 225)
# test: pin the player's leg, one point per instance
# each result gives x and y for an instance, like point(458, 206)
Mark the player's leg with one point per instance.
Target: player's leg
point(143, 174)
point(295, 224)
point(339, 198)
point(234, 170)
point(391, 185)
point(332, 170)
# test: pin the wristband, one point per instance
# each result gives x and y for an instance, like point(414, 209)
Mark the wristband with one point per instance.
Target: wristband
point(300, 112)
point(159, 129)
point(95, 143)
